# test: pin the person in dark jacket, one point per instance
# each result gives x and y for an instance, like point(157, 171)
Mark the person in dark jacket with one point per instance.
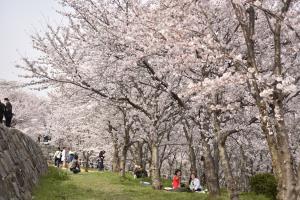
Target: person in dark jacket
point(101, 161)
point(8, 112)
point(2, 110)
point(75, 167)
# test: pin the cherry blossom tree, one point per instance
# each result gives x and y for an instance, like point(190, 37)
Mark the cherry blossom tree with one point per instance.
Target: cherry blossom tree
point(226, 82)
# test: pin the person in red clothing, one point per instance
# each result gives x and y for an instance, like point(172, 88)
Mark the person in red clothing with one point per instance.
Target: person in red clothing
point(176, 179)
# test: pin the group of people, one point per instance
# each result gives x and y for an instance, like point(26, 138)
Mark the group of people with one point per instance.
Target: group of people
point(139, 172)
point(6, 112)
point(66, 158)
point(70, 159)
point(194, 182)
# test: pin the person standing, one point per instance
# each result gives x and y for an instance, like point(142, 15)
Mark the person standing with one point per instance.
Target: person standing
point(39, 138)
point(8, 112)
point(64, 157)
point(101, 161)
point(2, 111)
point(71, 156)
point(57, 157)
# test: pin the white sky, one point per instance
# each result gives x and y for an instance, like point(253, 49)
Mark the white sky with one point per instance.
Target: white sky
point(19, 19)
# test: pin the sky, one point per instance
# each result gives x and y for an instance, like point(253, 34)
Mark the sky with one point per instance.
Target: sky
point(18, 20)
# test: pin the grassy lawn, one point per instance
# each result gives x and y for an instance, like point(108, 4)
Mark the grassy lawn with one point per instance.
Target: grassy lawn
point(62, 185)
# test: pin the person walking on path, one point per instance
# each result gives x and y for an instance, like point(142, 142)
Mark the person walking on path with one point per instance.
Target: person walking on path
point(57, 157)
point(8, 112)
point(64, 157)
point(2, 111)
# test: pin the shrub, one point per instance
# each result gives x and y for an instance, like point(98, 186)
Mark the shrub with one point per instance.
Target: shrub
point(265, 184)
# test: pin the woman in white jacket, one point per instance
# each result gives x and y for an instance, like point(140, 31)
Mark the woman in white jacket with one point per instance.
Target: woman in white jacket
point(195, 183)
point(64, 157)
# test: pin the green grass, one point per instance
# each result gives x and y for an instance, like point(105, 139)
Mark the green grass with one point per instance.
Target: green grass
point(62, 185)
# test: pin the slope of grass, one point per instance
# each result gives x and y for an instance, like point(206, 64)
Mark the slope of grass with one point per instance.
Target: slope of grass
point(62, 185)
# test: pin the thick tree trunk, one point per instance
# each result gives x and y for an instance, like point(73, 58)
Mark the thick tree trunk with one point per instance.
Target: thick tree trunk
point(156, 181)
point(278, 144)
point(225, 163)
point(216, 156)
point(123, 161)
point(193, 160)
point(140, 154)
point(230, 181)
point(271, 115)
point(125, 148)
point(192, 155)
point(298, 184)
point(244, 178)
point(211, 174)
point(116, 159)
point(288, 173)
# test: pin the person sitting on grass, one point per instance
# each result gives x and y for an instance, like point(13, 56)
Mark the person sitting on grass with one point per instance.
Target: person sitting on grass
point(176, 180)
point(139, 172)
point(75, 167)
point(195, 183)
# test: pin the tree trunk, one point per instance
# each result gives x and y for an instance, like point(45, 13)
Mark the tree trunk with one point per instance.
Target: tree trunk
point(271, 114)
point(125, 148)
point(192, 155)
point(116, 159)
point(123, 161)
point(288, 172)
point(221, 140)
point(230, 181)
point(156, 182)
point(278, 144)
point(193, 160)
point(140, 155)
point(298, 184)
point(211, 174)
point(216, 156)
point(244, 178)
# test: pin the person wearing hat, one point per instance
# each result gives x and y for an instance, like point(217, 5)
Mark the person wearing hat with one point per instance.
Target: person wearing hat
point(2, 110)
point(8, 112)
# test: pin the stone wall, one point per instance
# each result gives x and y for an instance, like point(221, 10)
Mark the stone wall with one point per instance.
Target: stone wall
point(21, 164)
point(48, 152)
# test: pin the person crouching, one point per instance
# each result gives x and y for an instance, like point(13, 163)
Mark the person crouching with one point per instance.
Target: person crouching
point(75, 167)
